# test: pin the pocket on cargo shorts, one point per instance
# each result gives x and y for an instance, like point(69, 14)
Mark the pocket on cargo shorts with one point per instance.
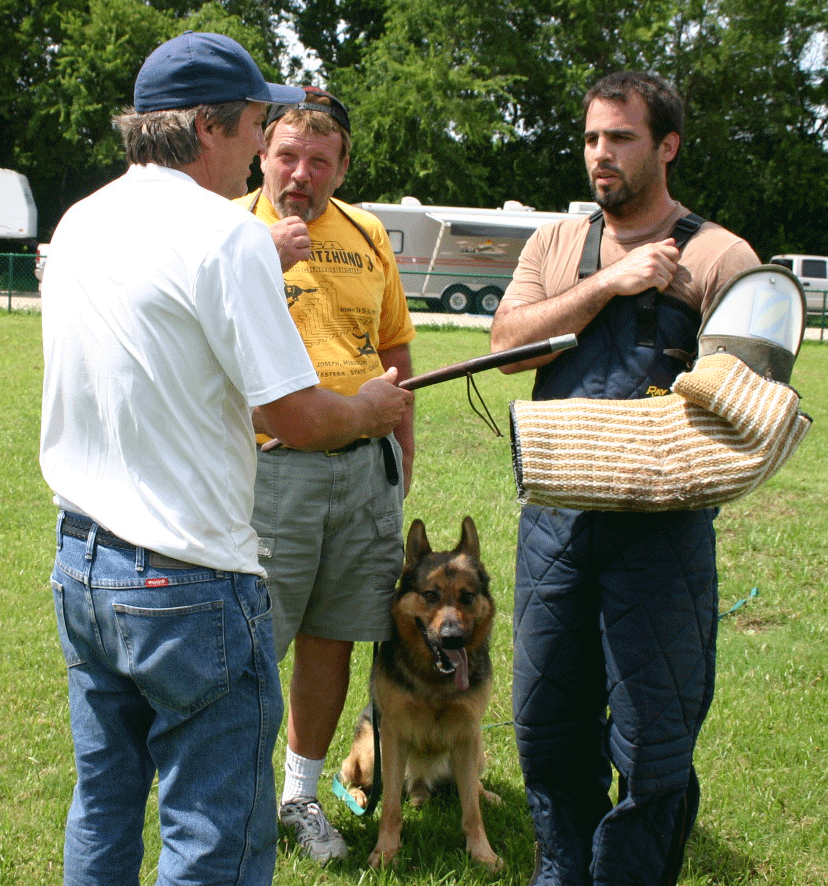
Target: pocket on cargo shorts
point(176, 656)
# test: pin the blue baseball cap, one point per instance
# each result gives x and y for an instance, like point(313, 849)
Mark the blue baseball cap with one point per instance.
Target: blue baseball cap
point(204, 69)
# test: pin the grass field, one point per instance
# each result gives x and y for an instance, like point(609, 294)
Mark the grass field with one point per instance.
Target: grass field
point(763, 753)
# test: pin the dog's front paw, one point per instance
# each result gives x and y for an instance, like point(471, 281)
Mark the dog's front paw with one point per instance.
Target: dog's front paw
point(490, 797)
point(477, 845)
point(383, 854)
point(487, 857)
point(359, 796)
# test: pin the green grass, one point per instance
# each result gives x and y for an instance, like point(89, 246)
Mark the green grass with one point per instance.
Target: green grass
point(763, 753)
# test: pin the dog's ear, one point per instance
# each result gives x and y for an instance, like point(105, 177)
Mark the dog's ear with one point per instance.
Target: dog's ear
point(416, 546)
point(469, 542)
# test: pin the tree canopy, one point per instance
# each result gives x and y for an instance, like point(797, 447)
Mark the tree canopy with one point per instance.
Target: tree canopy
point(467, 103)
point(67, 66)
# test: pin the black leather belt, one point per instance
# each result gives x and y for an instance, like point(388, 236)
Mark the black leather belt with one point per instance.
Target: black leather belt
point(349, 447)
point(78, 526)
point(391, 471)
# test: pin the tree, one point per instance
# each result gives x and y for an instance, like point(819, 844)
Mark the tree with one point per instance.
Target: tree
point(425, 99)
point(72, 64)
point(481, 102)
point(338, 31)
point(756, 157)
point(467, 103)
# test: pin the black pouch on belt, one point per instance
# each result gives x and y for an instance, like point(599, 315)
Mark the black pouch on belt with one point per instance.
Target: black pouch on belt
point(391, 471)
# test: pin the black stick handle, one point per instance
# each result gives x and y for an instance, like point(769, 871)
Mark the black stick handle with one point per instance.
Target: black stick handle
point(490, 361)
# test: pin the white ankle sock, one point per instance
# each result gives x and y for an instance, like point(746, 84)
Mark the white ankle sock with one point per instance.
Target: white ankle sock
point(301, 776)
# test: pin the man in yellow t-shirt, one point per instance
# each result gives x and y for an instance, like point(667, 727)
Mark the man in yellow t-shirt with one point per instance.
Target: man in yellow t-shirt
point(329, 524)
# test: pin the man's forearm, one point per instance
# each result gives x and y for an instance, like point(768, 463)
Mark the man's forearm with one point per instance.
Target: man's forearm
point(520, 324)
point(316, 418)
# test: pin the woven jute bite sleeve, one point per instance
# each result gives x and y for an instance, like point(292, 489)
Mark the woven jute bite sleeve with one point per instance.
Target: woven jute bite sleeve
point(721, 433)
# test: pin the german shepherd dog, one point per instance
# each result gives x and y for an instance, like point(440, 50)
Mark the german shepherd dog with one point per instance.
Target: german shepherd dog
point(430, 684)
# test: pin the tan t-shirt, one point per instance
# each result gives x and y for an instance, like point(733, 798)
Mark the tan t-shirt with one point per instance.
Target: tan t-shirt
point(549, 262)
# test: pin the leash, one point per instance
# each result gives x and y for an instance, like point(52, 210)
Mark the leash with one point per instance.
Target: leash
point(488, 418)
point(735, 606)
point(488, 361)
point(376, 786)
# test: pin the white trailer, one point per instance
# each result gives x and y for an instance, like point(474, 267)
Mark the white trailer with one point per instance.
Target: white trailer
point(18, 214)
point(460, 259)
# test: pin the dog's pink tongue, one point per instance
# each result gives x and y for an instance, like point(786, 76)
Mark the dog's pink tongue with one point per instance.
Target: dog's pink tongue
point(460, 661)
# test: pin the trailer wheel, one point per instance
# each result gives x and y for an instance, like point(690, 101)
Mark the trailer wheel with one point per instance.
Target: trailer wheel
point(457, 298)
point(487, 299)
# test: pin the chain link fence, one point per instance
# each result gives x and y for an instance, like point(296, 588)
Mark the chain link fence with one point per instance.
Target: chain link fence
point(18, 283)
point(19, 290)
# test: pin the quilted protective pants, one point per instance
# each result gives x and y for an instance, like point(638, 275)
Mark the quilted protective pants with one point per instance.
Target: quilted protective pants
point(615, 629)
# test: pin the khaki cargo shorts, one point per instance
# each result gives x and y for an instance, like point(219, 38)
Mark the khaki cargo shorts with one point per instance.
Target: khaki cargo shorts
point(330, 539)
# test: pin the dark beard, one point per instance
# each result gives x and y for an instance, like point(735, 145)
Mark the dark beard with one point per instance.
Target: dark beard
point(285, 207)
point(613, 202)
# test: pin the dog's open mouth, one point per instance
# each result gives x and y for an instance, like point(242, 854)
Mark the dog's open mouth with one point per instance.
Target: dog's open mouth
point(448, 661)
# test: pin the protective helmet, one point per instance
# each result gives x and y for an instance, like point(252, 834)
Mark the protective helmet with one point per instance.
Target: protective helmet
point(759, 317)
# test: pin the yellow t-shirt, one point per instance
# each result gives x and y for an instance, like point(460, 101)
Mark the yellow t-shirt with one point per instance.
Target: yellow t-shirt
point(347, 300)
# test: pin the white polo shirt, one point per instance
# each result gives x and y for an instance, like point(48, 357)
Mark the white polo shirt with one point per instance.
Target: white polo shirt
point(164, 321)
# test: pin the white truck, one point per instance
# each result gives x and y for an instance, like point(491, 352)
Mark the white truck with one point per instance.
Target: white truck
point(460, 259)
point(18, 213)
point(812, 271)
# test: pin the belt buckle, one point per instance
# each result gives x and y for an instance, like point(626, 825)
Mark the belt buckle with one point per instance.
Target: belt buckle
point(332, 452)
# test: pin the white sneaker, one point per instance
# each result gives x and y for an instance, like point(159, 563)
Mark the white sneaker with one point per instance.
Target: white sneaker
point(318, 838)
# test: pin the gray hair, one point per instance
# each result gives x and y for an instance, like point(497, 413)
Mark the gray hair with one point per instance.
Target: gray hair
point(169, 138)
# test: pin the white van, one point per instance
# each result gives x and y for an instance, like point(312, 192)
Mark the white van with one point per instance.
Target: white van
point(812, 271)
point(18, 214)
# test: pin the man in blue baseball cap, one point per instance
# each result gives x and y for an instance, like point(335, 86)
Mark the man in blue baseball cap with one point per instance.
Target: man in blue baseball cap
point(164, 323)
point(196, 69)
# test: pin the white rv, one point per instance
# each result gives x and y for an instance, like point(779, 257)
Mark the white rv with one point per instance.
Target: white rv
point(18, 214)
point(460, 259)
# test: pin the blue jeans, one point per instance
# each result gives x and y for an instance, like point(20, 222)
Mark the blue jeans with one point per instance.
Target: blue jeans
point(171, 670)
